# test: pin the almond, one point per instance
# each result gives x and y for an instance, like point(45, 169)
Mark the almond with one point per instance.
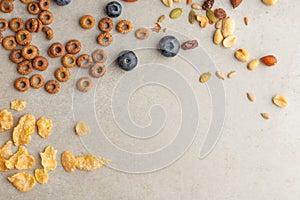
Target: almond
point(269, 60)
point(236, 3)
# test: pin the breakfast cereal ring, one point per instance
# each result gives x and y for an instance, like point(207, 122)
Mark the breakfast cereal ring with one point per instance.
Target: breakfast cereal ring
point(33, 8)
point(9, 43)
point(1, 37)
point(62, 74)
point(3, 24)
point(84, 61)
point(44, 4)
point(40, 26)
point(46, 17)
point(49, 32)
point(25, 67)
point(22, 84)
point(68, 61)
point(23, 37)
point(105, 24)
point(99, 56)
point(31, 25)
point(25, 1)
point(124, 26)
point(84, 84)
point(105, 39)
point(56, 50)
point(142, 33)
point(87, 22)
point(73, 46)
point(16, 24)
point(6, 6)
point(40, 63)
point(15, 56)
point(36, 81)
point(52, 87)
point(97, 70)
point(29, 52)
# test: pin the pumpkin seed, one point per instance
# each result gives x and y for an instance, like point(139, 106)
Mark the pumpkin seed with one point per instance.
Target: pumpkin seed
point(205, 77)
point(211, 16)
point(192, 16)
point(175, 13)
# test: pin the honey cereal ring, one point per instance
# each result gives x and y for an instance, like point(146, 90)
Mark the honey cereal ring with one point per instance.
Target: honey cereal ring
point(15, 56)
point(25, 1)
point(56, 50)
point(46, 17)
point(87, 21)
point(16, 24)
point(1, 37)
point(22, 84)
point(36, 81)
point(33, 8)
point(9, 43)
point(105, 24)
point(84, 84)
point(84, 61)
point(40, 26)
point(142, 33)
point(3, 24)
point(31, 25)
point(124, 26)
point(49, 32)
point(6, 6)
point(25, 67)
point(52, 87)
point(99, 56)
point(97, 70)
point(68, 61)
point(62, 74)
point(73, 46)
point(40, 63)
point(29, 52)
point(23, 37)
point(105, 39)
point(44, 4)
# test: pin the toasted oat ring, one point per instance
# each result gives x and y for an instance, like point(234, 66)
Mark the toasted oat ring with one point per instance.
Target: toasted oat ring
point(6, 6)
point(31, 25)
point(105, 24)
point(23, 37)
point(68, 61)
point(99, 56)
point(22, 84)
point(142, 33)
point(40, 26)
point(87, 21)
point(36, 81)
point(16, 24)
point(105, 39)
point(25, 67)
point(44, 4)
point(3, 24)
point(29, 52)
point(15, 56)
point(124, 26)
point(25, 1)
point(84, 84)
point(62, 74)
point(56, 50)
point(84, 61)
point(9, 43)
point(49, 32)
point(1, 37)
point(73, 46)
point(33, 8)
point(97, 70)
point(46, 17)
point(52, 87)
point(40, 63)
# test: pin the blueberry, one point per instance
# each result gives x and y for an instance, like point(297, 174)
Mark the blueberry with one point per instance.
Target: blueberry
point(127, 60)
point(113, 9)
point(169, 46)
point(62, 2)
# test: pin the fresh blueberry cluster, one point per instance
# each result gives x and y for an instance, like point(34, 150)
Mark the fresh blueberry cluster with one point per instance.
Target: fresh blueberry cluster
point(113, 9)
point(62, 2)
point(127, 60)
point(169, 46)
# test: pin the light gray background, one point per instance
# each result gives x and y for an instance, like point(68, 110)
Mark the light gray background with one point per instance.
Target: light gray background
point(254, 159)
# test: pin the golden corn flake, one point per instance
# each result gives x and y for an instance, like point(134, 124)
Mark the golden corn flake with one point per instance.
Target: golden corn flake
point(81, 128)
point(3, 167)
point(5, 150)
point(68, 161)
point(44, 126)
point(49, 158)
point(22, 181)
point(20, 160)
point(18, 105)
point(41, 176)
point(6, 120)
point(90, 162)
point(22, 132)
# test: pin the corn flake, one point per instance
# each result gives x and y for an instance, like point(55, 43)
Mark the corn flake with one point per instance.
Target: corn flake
point(22, 132)
point(41, 176)
point(18, 105)
point(44, 126)
point(6, 120)
point(49, 158)
point(20, 160)
point(90, 162)
point(5, 150)
point(81, 128)
point(3, 167)
point(68, 161)
point(22, 181)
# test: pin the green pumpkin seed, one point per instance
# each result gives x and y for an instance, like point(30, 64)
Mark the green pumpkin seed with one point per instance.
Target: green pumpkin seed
point(175, 13)
point(205, 77)
point(211, 16)
point(192, 17)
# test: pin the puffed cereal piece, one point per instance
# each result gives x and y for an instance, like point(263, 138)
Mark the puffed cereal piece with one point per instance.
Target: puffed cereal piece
point(68, 161)
point(41, 176)
point(44, 126)
point(22, 181)
point(49, 158)
point(6, 120)
point(81, 128)
point(90, 162)
point(22, 132)
point(18, 105)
